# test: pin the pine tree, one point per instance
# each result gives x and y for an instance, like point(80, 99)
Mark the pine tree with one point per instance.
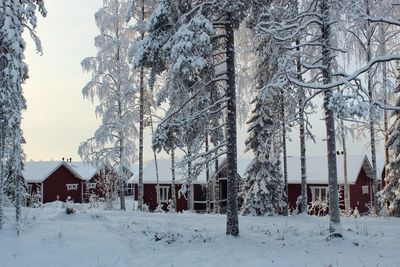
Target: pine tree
point(263, 188)
point(389, 196)
point(193, 44)
point(15, 16)
point(113, 84)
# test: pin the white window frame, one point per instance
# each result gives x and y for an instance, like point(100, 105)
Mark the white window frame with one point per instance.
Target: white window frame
point(315, 196)
point(365, 189)
point(91, 185)
point(164, 191)
point(72, 187)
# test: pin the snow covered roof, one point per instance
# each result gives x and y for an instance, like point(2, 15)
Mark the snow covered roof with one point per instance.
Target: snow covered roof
point(38, 171)
point(85, 171)
point(164, 171)
point(317, 169)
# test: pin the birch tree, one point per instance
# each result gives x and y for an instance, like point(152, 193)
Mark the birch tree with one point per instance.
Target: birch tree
point(15, 17)
point(112, 84)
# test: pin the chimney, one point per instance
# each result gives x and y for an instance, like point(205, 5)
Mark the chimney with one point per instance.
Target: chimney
point(63, 158)
point(70, 159)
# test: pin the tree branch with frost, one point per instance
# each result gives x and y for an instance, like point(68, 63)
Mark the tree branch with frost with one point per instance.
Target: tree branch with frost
point(346, 80)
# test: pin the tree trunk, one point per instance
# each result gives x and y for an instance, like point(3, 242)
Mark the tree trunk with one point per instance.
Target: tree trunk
point(375, 187)
point(302, 131)
point(141, 127)
point(232, 225)
point(2, 148)
point(346, 184)
point(285, 176)
point(303, 166)
point(158, 198)
point(216, 197)
point(385, 98)
point(334, 214)
point(190, 205)
point(207, 179)
point(173, 193)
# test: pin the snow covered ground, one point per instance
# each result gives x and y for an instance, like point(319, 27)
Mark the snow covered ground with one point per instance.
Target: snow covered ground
point(98, 238)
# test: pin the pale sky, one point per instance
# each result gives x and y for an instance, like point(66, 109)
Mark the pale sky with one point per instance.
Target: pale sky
point(58, 119)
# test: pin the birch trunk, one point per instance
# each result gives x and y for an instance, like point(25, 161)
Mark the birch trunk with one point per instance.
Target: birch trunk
point(375, 187)
point(232, 224)
point(334, 214)
point(121, 178)
point(141, 127)
point(302, 131)
point(385, 97)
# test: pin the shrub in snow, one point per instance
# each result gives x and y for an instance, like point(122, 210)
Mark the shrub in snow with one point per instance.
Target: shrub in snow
point(159, 208)
point(319, 207)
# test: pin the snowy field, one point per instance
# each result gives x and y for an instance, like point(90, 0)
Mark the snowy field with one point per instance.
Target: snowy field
point(98, 238)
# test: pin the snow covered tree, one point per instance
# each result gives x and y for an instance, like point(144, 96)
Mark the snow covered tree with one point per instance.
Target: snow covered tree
point(315, 20)
point(139, 11)
point(15, 16)
point(113, 84)
point(263, 189)
point(390, 195)
point(193, 44)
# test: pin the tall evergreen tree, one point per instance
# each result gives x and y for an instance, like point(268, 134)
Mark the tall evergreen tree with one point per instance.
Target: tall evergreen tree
point(389, 196)
point(15, 16)
point(263, 188)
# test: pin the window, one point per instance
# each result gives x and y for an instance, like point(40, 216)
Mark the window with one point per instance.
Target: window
point(71, 187)
point(90, 185)
point(29, 189)
point(164, 194)
point(319, 193)
point(365, 189)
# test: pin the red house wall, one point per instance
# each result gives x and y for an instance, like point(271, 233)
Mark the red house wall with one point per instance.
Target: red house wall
point(54, 187)
point(357, 198)
point(150, 196)
point(294, 191)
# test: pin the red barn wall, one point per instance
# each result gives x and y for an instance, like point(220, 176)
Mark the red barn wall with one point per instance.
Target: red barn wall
point(54, 187)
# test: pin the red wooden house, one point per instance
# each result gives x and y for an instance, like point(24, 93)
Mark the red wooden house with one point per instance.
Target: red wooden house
point(164, 170)
point(359, 178)
point(56, 180)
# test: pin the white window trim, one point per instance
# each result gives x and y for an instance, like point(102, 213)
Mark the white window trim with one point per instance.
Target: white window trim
point(365, 189)
point(91, 185)
point(72, 187)
point(164, 198)
point(313, 196)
